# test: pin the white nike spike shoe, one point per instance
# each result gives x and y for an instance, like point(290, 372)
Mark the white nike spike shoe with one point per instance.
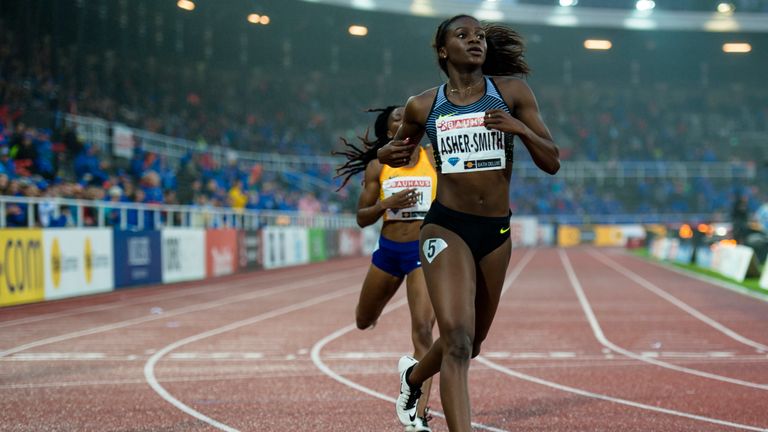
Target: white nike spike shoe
point(420, 425)
point(409, 396)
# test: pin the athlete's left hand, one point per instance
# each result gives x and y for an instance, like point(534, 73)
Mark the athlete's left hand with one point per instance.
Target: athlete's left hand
point(501, 120)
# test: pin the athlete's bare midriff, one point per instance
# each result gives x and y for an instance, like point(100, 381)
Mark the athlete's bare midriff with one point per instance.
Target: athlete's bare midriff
point(482, 193)
point(401, 231)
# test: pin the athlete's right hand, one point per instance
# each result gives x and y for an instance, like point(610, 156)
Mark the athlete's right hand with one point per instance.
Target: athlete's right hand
point(396, 153)
point(404, 199)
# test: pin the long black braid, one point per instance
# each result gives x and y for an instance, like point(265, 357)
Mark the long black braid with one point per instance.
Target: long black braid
point(358, 158)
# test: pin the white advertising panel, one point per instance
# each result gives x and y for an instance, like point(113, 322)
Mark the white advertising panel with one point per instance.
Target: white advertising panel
point(297, 245)
point(275, 254)
point(285, 246)
point(371, 238)
point(77, 262)
point(183, 254)
point(546, 234)
point(523, 230)
point(660, 248)
point(122, 141)
point(764, 276)
point(733, 261)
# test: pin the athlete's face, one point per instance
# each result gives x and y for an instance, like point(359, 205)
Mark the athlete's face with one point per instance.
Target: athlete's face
point(464, 43)
point(394, 121)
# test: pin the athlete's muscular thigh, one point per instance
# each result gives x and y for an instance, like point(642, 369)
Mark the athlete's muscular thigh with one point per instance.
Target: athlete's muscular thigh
point(491, 273)
point(449, 270)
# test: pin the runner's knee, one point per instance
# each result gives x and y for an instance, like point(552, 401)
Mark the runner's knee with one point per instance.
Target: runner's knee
point(457, 344)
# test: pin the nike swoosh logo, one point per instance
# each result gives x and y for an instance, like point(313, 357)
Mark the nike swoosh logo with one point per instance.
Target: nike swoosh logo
point(412, 417)
point(503, 230)
point(447, 115)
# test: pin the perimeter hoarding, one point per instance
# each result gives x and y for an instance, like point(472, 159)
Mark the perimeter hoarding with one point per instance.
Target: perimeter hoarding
point(350, 242)
point(78, 262)
point(138, 260)
point(317, 247)
point(183, 254)
point(21, 266)
point(285, 246)
point(251, 256)
point(221, 251)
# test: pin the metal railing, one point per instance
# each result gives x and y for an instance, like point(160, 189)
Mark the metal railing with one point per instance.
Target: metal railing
point(129, 216)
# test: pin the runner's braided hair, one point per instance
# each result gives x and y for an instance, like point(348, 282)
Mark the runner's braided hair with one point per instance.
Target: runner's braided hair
point(358, 158)
point(505, 49)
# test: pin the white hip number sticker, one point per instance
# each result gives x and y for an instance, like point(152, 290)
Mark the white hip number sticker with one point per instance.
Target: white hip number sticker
point(432, 247)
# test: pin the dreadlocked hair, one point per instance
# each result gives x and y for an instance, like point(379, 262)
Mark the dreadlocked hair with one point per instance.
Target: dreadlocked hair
point(359, 157)
point(505, 49)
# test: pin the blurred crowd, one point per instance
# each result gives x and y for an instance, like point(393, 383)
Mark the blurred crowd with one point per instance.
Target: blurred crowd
point(305, 114)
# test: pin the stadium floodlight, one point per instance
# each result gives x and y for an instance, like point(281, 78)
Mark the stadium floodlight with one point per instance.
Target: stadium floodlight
point(597, 44)
point(568, 3)
point(645, 5)
point(726, 8)
point(186, 4)
point(358, 30)
point(737, 47)
point(255, 18)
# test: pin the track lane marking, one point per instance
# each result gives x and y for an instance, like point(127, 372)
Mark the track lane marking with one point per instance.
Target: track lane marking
point(650, 286)
point(580, 392)
point(149, 367)
point(206, 288)
point(600, 336)
point(317, 348)
point(173, 312)
point(710, 280)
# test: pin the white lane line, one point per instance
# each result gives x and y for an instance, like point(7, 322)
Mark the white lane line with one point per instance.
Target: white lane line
point(728, 357)
point(317, 348)
point(311, 372)
point(149, 367)
point(59, 356)
point(677, 302)
point(119, 304)
point(633, 404)
point(174, 312)
point(210, 287)
point(600, 336)
point(318, 361)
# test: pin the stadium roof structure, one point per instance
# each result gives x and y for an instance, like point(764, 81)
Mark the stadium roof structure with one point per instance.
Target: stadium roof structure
point(519, 12)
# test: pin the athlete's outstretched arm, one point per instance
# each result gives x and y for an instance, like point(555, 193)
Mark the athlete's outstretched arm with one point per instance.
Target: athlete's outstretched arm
point(526, 123)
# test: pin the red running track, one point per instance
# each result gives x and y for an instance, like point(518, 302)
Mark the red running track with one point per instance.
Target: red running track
point(584, 340)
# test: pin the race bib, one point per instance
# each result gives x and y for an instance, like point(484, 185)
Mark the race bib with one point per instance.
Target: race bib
point(423, 186)
point(465, 145)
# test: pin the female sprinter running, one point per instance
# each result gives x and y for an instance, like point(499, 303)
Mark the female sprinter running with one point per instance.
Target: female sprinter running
point(465, 248)
point(402, 196)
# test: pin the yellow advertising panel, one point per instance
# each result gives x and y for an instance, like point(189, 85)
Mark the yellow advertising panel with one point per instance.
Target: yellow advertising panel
point(21, 266)
point(568, 236)
point(609, 235)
